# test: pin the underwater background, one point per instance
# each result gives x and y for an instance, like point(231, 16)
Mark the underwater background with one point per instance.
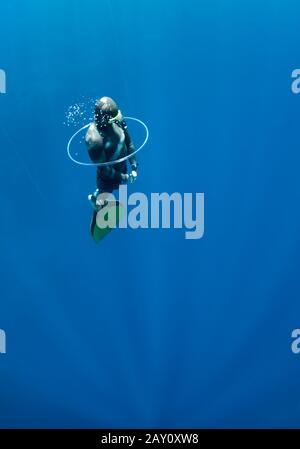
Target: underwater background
point(148, 329)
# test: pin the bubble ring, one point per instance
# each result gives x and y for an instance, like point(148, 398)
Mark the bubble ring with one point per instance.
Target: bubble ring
point(105, 164)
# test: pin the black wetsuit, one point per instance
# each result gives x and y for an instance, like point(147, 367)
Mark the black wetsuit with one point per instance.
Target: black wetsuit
point(111, 143)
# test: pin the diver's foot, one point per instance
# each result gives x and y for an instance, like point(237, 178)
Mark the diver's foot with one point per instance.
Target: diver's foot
point(96, 202)
point(92, 199)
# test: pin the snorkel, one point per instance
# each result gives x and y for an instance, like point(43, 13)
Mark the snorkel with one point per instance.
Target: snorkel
point(117, 118)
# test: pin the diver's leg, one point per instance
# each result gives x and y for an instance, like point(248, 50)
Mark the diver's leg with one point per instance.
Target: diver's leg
point(98, 199)
point(101, 199)
point(102, 188)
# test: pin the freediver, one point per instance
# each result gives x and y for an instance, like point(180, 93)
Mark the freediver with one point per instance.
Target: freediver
point(108, 139)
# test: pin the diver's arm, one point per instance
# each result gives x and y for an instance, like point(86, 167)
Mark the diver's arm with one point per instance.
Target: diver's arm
point(130, 147)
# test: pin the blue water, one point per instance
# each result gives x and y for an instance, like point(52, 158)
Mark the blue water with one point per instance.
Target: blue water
point(149, 329)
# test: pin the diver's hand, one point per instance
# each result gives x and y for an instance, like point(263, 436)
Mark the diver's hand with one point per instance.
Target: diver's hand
point(124, 178)
point(133, 176)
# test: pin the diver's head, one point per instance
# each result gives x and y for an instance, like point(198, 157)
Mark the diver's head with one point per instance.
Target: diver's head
point(106, 112)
